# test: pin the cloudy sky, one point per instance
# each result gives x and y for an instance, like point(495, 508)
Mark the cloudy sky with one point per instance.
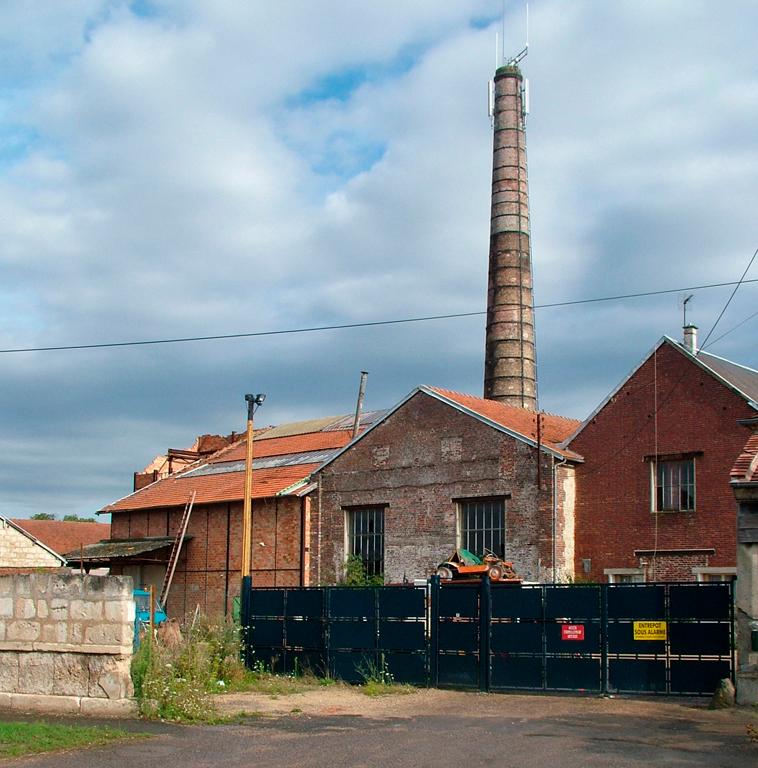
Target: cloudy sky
point(186, 168)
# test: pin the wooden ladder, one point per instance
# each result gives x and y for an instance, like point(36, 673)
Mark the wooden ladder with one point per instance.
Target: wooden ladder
point(176, 550)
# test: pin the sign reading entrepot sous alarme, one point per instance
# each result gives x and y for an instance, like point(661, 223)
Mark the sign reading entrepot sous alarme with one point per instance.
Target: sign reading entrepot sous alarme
point(649, 630)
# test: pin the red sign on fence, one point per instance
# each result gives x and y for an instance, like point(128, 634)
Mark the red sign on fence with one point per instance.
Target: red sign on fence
point(572, 631)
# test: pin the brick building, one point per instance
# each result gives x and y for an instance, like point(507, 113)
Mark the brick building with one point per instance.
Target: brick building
point(145, 523)
point(443, 470)
point(653, 496)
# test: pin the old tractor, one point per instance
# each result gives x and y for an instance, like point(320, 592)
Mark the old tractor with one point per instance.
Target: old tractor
point(463, 564)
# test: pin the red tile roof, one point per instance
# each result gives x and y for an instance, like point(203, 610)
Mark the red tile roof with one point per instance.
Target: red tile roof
point(745, 469)
point(63, 536)
point(555, 429)
point(174, 491)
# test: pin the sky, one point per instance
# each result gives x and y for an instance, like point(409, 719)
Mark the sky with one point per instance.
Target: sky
point(173, 169)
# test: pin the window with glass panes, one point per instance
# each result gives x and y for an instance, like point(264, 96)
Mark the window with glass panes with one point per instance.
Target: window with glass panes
point(365, 536)
point(482, 526)
point(674, 485)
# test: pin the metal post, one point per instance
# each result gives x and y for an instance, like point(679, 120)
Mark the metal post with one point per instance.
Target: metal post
point(151, 610)
point(247, 502)
point(434, 637)
point(603, 637)
point(245, 611)
point(485, 620)
point(359, 404)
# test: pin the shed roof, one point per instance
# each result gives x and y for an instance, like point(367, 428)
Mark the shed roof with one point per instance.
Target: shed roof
point(116, 548)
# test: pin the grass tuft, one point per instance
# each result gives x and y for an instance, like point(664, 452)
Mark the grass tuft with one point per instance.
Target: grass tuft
point(17, 739)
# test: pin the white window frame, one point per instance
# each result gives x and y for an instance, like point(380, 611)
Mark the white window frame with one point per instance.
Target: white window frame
point(702, 573)
point(615, 575)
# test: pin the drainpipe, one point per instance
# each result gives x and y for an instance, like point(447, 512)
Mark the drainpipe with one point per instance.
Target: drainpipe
point(556, 464)
point(318, 535)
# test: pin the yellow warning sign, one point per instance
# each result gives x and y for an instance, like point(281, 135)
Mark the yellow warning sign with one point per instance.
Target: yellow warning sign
point(649, 630)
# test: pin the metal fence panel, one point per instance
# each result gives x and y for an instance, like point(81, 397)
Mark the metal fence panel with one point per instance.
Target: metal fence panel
point(647, 638)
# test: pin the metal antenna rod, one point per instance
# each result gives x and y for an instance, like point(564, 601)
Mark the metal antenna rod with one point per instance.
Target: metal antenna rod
point(684, 310)
point(527, 25)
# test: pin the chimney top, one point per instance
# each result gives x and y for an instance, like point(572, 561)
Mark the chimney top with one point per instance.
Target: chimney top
point(690, 338)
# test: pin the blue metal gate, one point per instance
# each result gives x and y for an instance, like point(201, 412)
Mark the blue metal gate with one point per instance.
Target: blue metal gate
point(632, 638)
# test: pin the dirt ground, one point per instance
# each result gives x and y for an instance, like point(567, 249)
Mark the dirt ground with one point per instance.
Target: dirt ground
point(350, 701)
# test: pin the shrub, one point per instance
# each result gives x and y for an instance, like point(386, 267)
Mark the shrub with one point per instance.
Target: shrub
point(356, 576)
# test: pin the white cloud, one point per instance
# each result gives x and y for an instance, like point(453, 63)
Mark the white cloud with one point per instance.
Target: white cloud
point(188, 174)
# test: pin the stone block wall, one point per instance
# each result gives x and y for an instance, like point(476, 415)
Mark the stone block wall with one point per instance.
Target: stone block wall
point(66, 643)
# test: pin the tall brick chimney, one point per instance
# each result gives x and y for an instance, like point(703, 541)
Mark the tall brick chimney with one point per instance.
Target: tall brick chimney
point(510, 370)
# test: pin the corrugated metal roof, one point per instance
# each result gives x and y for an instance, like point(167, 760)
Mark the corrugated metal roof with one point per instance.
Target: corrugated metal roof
point(346, 422)
point(281, 446)
point(270, 462)
point(299, 427)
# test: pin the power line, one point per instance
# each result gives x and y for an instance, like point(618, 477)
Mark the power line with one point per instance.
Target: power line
point(733, 328)
point(369, 324)
point(729, 300)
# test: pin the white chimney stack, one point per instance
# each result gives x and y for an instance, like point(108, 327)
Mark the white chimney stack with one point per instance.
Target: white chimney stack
point(690, 338)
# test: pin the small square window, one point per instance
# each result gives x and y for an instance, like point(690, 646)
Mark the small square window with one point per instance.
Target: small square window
point(481, 526)
point(674, 485)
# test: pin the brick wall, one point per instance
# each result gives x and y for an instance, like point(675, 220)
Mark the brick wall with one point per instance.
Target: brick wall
point(417, 463)
point(208, 572)
point(696, 414)
point(66, 643)
point(20, 552)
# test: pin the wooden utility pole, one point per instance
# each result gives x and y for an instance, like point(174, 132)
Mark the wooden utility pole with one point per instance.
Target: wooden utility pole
point(247, 504)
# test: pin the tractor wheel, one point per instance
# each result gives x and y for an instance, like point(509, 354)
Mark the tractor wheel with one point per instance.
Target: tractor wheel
point(495, 572)
point(444, 572)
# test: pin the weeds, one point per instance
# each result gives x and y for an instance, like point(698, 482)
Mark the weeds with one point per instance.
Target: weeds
point(378, 680)
point(174, 683)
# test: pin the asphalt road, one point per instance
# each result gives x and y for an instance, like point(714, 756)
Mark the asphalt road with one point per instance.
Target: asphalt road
point(473, 731)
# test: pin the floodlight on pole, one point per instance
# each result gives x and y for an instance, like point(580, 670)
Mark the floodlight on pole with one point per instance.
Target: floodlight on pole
point(253, 403)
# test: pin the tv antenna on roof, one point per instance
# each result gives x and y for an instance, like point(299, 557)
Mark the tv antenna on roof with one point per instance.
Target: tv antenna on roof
point(685, 301)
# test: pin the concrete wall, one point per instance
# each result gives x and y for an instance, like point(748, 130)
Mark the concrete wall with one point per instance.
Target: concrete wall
point(20, 552)
point(696, 415)
point(418, 464)
point(208, 572)
point(66, 643)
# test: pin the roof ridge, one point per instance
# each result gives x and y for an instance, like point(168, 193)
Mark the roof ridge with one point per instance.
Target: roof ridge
point(504, 405)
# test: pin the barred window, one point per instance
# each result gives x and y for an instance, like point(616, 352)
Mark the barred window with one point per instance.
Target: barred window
point(482, 526)
point(674, 485)
point(365, 536)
